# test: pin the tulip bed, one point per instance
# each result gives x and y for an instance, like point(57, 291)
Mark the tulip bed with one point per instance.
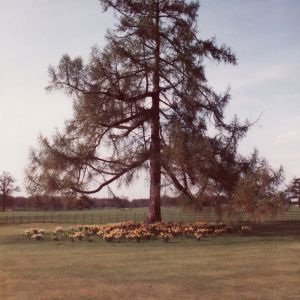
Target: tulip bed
point(130, 231)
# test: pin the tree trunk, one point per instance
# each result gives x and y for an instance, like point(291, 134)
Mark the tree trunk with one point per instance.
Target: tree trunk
point(4, 198)
point(154, 214)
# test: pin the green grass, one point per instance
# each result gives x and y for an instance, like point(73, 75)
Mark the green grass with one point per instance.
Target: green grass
point(293, 210)
point(102, 215)
point(118, 215)
point(104, 211)
point(74, 212)
point(227, 267)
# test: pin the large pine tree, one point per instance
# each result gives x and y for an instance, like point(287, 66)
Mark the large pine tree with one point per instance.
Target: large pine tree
point(142, 102)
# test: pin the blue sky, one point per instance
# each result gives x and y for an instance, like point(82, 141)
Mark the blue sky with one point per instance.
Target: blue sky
point(264, 34)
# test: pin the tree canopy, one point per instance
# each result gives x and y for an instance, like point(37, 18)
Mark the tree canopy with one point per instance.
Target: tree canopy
point(143, 102)
point(257, 193)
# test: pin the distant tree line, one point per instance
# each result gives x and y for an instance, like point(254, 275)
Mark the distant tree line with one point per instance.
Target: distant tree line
point(82, 203)
point(50, 203)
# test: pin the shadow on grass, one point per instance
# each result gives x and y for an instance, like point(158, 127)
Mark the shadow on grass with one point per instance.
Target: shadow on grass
point(283, 228)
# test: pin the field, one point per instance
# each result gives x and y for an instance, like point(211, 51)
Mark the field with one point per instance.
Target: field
point(102, 216)
point(226, 267)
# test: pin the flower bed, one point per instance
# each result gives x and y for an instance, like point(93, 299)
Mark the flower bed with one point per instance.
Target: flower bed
point(130, 231)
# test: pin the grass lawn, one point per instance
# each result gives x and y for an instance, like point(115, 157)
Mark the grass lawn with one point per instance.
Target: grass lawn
point(294, 211)
point(118, 215)
point(96, 212)
point(227, 267)
point(103, 216)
